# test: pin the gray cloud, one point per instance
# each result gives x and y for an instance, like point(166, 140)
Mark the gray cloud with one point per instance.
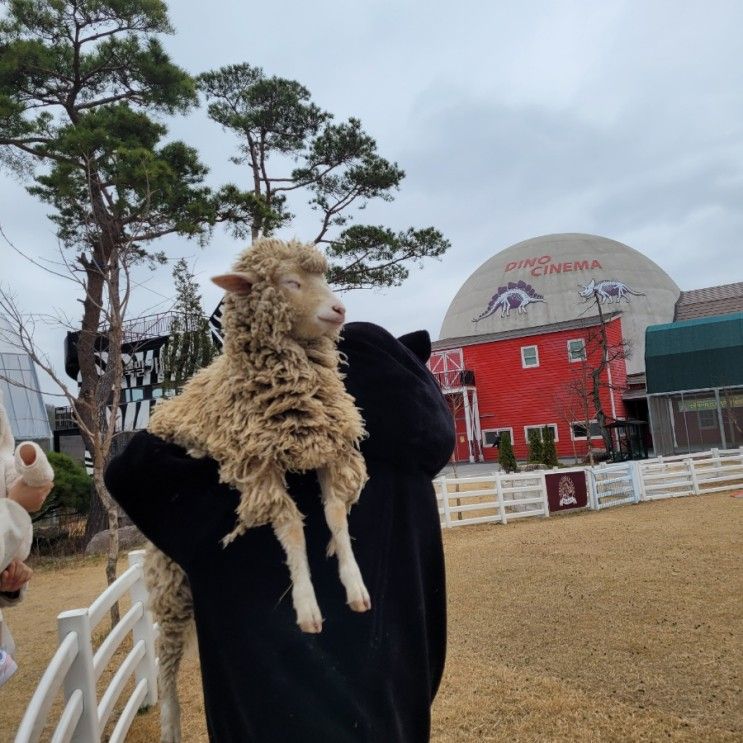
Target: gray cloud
point(622, 119)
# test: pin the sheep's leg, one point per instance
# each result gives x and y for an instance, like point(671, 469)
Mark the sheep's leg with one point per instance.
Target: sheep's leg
point(171, 646)
point(172, 606)
point(289, 531)
point(336, 516)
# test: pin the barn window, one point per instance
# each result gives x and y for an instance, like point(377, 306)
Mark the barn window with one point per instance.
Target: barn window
point(576, 350)
point(708, 419)
point(579, 430)
point(540, 428)
point(529, 356)
point(489, 435)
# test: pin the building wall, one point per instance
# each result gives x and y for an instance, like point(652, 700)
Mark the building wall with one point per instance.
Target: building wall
point(511, 396)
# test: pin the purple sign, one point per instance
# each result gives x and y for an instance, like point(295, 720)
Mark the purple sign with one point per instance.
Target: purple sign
point(566, 490)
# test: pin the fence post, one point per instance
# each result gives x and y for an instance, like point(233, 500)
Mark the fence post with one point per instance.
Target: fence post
point(81, 676)
point(499, 498)
point(641, 473)
point(593, 500)
point(445, 499)
point(634, 469)
point(716, 457)
point(546, 500)
point(693, 476)
point(143, 630)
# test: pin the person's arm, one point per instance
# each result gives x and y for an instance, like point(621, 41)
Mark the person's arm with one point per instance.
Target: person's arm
point(15, 537)
point(175, 500)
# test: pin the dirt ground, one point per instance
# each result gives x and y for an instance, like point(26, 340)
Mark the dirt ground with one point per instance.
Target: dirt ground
point(621, 625)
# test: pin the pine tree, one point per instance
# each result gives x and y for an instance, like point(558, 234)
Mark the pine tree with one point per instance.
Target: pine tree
point(549, 452)
point(507, 458)
point(535, 446)
point(190, 346)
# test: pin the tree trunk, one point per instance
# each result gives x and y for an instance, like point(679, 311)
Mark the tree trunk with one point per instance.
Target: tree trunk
point(97, 516)
point(113, 535)
point(596, 377)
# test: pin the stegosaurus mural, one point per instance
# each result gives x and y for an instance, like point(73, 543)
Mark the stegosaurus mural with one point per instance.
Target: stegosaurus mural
point(516, 295)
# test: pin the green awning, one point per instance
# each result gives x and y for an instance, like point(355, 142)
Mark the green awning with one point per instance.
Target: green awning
point(694, 354)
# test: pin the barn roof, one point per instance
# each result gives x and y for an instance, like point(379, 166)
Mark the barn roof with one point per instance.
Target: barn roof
point(710, 301)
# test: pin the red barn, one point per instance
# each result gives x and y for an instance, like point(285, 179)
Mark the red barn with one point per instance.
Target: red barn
point(513, 382)
point(522, 341)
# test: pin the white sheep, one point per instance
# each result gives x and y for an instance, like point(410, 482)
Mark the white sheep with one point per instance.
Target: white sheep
point(273, 402)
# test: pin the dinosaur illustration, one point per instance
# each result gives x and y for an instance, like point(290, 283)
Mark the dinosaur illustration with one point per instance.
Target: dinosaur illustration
point(514, 296)
point(608, 290)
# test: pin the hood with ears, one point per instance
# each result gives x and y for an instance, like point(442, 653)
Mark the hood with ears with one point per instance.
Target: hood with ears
point(406, 416)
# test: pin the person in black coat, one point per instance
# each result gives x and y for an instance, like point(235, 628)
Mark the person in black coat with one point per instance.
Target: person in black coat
point(367, 678)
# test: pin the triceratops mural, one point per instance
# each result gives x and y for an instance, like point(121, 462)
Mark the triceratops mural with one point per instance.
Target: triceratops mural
point(607, 290)
point(514, 296)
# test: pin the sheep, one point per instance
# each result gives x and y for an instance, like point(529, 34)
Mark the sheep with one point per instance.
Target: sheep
point(273, 402)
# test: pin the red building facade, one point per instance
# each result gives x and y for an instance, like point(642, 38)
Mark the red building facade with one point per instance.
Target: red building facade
point(538, 377)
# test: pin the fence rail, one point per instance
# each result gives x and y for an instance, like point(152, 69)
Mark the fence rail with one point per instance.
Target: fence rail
point(499, 497)
point(75, 668)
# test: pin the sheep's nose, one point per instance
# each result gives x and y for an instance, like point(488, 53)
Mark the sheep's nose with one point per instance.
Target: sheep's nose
point(339, 309)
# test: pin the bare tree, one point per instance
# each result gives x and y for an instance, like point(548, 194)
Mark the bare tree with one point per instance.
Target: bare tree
point(94, 407)
point(590, 376)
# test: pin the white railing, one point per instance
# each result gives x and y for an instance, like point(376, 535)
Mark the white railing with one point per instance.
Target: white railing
point(75, 668)
point(711, 471)
point(614, 485)
point(499, 497)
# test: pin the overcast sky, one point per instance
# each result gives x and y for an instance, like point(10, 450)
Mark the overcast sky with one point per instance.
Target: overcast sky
point(622, 119)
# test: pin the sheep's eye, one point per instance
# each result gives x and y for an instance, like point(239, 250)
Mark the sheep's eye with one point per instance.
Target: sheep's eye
point(293, 283)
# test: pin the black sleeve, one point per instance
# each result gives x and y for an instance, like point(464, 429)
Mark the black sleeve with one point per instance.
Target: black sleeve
point(175, 500)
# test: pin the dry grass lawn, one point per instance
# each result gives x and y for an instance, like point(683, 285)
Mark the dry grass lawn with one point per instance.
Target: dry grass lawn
point(622, 625)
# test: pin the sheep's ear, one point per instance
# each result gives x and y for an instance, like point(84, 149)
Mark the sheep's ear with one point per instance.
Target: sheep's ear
point(237, 282)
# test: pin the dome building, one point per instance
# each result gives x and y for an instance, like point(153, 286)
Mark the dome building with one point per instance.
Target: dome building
point(550, 280)
point(521, 338)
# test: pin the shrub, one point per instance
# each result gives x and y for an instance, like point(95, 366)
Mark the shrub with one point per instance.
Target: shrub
point(549, 452)
point(506, 456)
point(535, 446)
point(71, 490)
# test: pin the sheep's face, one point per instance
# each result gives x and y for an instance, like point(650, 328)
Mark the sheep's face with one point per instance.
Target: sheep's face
point(314, 310)
point(317, 312)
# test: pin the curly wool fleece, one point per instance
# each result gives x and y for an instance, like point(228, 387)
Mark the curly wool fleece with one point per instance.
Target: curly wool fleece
point(270, 402)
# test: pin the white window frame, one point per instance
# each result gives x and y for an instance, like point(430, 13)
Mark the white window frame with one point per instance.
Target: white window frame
point(541, 426)
point(583, 438)
point(524, 365)
point(570, 353)
point(495, 430)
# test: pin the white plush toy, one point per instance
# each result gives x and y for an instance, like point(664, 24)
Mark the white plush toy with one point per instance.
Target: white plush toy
point(27, 460)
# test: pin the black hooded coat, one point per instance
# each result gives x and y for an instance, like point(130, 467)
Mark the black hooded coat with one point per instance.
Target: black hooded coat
point(367, 678)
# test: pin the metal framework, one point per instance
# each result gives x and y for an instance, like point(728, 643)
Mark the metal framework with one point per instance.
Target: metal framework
point(458, 387)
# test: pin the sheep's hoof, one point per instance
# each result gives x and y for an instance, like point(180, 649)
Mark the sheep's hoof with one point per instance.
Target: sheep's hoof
point(359, 599)
point(309, 618)
point(311, 625)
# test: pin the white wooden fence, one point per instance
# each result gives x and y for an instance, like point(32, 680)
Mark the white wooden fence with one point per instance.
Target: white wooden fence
point(499, 497)
point(75, 668)
point(614, 485)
